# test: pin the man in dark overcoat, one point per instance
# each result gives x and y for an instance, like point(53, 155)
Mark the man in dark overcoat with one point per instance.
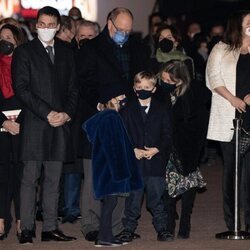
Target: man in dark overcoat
point(112, 58)
point(44, 80)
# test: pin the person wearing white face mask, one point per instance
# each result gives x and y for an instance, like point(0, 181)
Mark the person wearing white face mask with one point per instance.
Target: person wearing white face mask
point(228, 77)
point(44, 81)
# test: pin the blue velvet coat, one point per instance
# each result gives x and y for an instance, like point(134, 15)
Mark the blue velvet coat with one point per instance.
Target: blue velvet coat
point(114, 166)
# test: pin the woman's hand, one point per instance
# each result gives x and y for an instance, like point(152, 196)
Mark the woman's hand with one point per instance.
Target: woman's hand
point(247, 99)
point(234, 101)
point(11, 127)
point(238, 104)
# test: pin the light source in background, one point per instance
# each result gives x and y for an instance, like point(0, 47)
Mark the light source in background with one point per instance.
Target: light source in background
point(88, 8)
point(63, 6)
point(8, 7)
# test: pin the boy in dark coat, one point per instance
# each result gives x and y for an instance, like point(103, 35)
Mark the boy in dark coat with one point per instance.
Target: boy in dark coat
point(148, 124)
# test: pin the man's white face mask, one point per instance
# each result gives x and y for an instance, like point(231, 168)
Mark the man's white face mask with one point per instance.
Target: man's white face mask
point(46, 35)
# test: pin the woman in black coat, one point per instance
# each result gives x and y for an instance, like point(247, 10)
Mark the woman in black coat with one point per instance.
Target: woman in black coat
point(10, 167)
point(189, 117)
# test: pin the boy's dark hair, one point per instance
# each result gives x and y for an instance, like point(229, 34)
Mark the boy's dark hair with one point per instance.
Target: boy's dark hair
point(50, 11)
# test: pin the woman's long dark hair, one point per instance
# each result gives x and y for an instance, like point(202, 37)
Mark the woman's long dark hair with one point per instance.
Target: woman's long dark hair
point(233, 34)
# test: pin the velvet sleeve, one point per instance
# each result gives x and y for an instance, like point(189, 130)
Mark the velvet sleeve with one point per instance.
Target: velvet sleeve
point(115, 143)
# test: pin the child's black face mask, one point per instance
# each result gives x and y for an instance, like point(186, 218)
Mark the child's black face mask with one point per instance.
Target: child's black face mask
point(144, 94)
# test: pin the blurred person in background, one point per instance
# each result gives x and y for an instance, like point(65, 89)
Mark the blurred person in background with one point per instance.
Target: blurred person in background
point(67, 30)
point(86, 30)
point(75, 13)
point(73, 172)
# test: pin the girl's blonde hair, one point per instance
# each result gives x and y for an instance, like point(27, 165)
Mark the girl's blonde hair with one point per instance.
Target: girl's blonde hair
point(177, 71)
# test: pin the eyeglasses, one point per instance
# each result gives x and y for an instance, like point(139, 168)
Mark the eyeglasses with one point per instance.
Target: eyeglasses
point(120, 30)
point(48, 26)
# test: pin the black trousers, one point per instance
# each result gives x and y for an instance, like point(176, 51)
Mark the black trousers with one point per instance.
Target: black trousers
point(10, 176)
point(107, 206)
point(187, 202)
point(228, 152)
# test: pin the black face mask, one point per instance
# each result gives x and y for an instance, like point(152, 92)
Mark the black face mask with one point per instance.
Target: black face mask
point(167, 86)
point(83, 42)
point(123, 102)
point(143, 94)
point(6, 47)
point(166, 45)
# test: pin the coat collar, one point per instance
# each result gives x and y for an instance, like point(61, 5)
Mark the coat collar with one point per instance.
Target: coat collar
point(136, 107)
point(42, 53)
point(107, 48)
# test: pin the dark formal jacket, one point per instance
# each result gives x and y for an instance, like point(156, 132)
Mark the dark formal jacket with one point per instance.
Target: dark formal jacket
point(42, 87)
point(156, 131)
point(99, 68)
point(114, 166)
point(190, 120)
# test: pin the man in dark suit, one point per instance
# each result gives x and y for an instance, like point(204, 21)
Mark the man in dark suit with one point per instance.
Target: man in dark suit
point(111, 58)
point(44, 80)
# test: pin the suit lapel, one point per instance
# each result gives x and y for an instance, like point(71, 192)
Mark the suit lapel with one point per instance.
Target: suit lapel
point(41, 51)
point(136, 107)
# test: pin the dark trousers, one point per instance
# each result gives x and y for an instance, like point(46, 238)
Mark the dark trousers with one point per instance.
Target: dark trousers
point(187, 201)
point(107, 207)
point(72, 188)
point(154, 187)
point(228, 151)
point(50, 185)
point(10, 177)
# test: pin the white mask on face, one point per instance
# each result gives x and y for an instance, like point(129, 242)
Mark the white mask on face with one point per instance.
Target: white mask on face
point(46, 35)
point(247, 31)
point(75, 17)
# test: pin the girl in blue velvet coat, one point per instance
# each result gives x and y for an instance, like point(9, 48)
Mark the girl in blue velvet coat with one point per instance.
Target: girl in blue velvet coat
point(114, 166)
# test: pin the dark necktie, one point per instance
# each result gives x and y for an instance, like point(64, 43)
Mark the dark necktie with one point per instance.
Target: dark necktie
point(50, 53)
point(143, 112)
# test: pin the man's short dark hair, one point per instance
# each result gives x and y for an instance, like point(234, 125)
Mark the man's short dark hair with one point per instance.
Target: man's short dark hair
point(50, 11)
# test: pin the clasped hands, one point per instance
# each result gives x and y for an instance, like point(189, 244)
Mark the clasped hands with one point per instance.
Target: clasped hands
point(57, 119)
point(147, 152)
point(11, 127)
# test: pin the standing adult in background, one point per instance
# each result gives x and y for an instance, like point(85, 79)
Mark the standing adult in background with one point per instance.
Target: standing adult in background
point(228, 77)
point(44, 81)
point(75, 13)
point(112, 57)
point(66, 34)
point(86, 30)
point(73, 171)
point(67, 30)
point(10, 167)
